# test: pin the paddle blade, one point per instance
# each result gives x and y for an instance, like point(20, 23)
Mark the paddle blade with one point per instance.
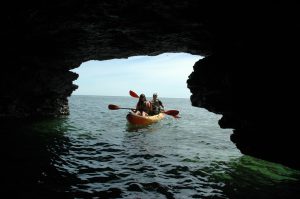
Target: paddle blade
point(133, 94)
point(176, 116)
point(113, 107)
point(171, 112)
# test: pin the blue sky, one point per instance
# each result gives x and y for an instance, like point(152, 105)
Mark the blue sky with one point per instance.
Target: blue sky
point(165, 74)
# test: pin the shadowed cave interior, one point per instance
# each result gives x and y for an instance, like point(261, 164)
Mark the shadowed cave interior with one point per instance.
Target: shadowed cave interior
point(247, 73)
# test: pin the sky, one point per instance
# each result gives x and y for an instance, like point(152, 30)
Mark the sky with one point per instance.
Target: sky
point(165, 74)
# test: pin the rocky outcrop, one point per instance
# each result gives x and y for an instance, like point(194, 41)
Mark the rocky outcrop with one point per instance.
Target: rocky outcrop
point(36, 92)
point(251, 105)
point(251, 82)
point(243, 43)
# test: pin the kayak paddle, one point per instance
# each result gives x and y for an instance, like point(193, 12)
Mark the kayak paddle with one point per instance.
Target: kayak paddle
point(173, 113)
point(133, 94)
point(115, 107)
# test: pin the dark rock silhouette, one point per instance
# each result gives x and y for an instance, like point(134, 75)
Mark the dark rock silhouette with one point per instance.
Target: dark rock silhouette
point(247, 75)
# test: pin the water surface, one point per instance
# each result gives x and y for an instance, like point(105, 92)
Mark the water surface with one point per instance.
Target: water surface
point(94, 153)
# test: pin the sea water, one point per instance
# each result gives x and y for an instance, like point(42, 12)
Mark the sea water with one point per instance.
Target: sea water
point(94, 153)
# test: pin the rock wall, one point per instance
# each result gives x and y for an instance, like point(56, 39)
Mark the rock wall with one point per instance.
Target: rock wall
point(239, 78)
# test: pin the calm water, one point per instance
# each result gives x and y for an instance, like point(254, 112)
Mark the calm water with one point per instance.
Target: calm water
point(93, 153)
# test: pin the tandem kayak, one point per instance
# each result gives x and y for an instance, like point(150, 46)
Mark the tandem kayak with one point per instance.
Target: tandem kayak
point(135, 119)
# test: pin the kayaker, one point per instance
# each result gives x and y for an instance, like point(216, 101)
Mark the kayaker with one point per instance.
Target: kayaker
point(143, 107)
point(156, 104)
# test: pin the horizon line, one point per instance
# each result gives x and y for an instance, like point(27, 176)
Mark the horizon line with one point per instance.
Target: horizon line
point(121, 96)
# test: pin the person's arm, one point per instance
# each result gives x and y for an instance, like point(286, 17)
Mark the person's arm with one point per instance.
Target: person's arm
point(149, 106)
point(160, 103)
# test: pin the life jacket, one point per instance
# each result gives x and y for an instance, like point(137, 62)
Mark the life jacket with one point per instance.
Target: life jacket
point(156, 103)
point(156, 106)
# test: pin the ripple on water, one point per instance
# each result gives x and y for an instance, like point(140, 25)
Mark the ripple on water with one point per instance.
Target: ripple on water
point(94, 154)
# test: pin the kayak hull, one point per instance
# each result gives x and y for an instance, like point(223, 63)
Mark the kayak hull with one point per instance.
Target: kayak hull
point(135, 119)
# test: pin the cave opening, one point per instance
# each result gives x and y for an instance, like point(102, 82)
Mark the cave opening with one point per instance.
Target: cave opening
point(106, 82)
point(165, 74)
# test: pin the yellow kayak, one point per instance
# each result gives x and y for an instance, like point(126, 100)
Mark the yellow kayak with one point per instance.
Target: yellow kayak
point(135, 119)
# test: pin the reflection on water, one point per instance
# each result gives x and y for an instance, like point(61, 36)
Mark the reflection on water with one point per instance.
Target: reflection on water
point(29, 158)
point(248, 177)
point(136, 128)
point(93, 155)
